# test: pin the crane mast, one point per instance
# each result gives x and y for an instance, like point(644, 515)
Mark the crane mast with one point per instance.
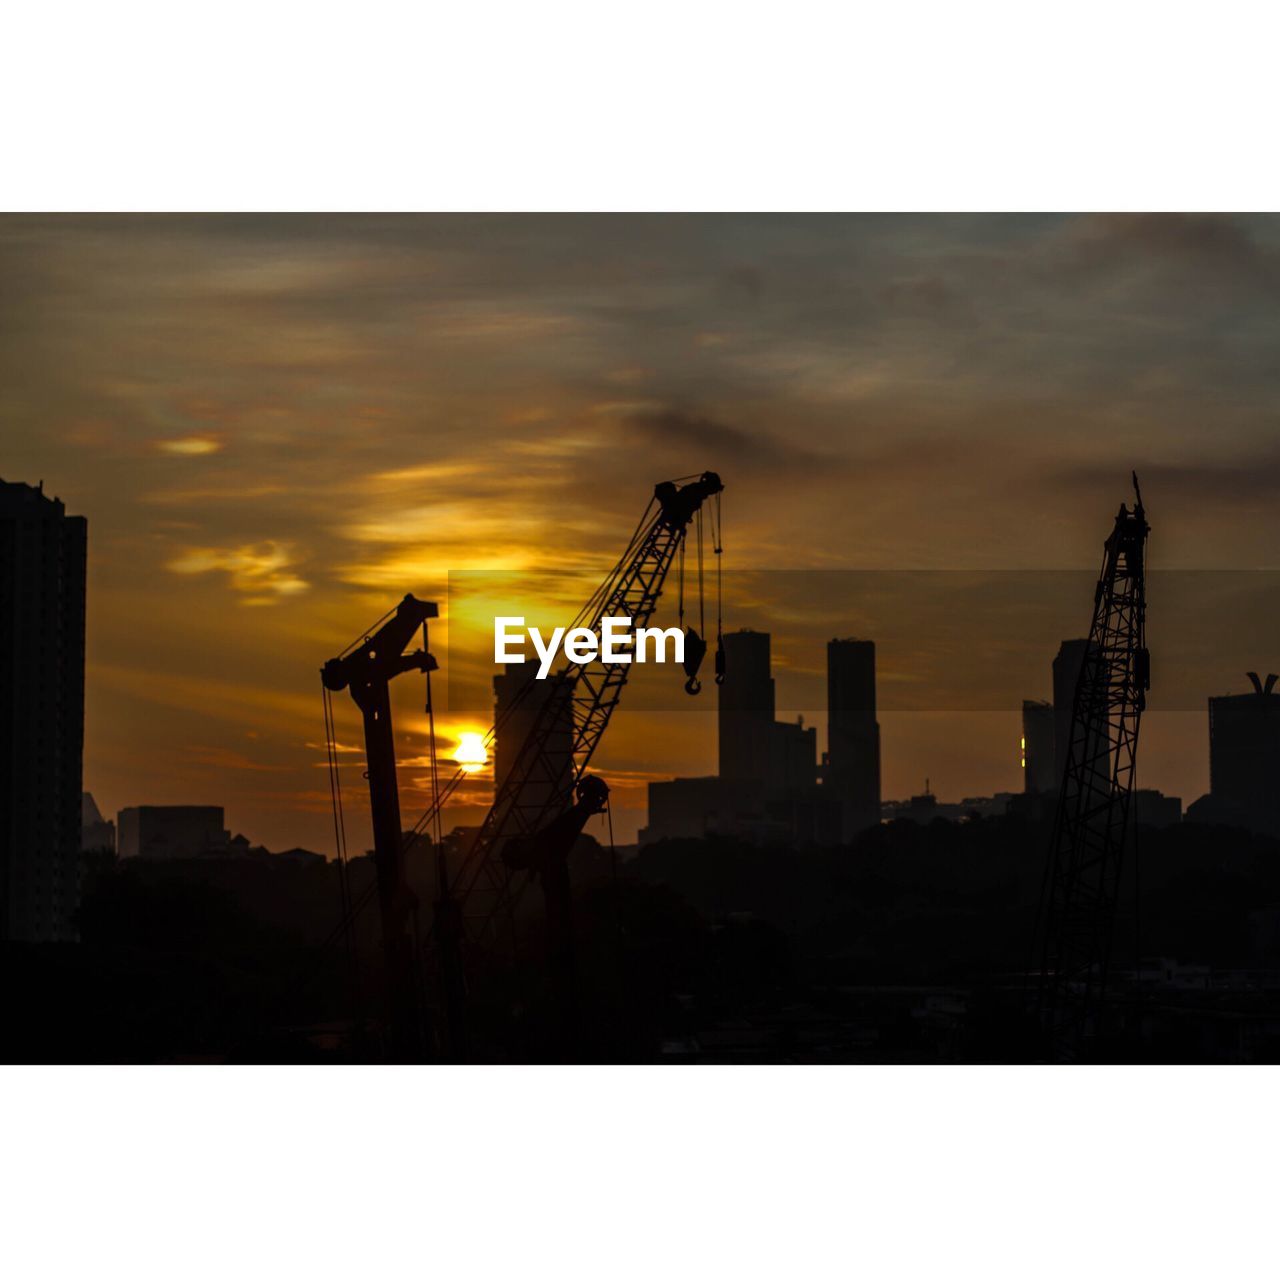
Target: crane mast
point(1095, 799)
point(367, 670)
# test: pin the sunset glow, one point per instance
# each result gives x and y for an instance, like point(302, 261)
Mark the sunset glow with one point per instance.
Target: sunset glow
point(336, 415)
point(471, 754)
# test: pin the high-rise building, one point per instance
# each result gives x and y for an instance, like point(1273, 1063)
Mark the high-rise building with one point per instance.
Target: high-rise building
point(766, 789)
point(793, 756)
point(853, 735)
point(519, 697)
point(746, 708)
point(1244, 757)
point(1066, 675)
point(1039, 748)
point(171, 831)
point(42, 600)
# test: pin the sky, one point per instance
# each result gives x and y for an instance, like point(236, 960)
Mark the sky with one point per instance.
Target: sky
point(278, 425)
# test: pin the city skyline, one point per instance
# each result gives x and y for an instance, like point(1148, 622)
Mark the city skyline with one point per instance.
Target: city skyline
point(277, 426)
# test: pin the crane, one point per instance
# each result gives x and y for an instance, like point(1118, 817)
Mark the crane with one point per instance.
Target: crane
point(367, 669)
point(583, 697)
point(547, 796)
point(1092, 818)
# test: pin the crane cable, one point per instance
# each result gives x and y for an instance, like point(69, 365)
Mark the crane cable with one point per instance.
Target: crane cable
point(680, 585)
point(717, 549)
point(340, 841)
point(702, 606)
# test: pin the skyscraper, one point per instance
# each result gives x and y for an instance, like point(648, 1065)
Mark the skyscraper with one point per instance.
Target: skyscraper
point(1039, 749)
point(1066, 675)
point(1244, 757)
point(746, 708)
point(853, 735)
point(518, 698)
point(42, 599)
point(767, 785)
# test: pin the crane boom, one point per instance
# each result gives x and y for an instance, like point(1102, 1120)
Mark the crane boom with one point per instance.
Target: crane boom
point(1094, 802)
point(541, 781)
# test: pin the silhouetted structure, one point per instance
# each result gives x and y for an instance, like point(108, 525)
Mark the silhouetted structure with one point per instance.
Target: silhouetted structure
point(1067, 666)
point(365, 669)
point(519, 700)
point(746, 708)
point(486, 885)
point(793, 756)
point(1039, 748)
point(684, 809)
point(1244, 759)
point(853, 736)
point(767, 789)
point(1092, 819)
point(171, 831)
point(42, 602)
point(96, 832)
point(1155, 809)
point(926, 807)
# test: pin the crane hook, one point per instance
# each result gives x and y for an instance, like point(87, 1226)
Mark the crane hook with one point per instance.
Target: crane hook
point(695, 649)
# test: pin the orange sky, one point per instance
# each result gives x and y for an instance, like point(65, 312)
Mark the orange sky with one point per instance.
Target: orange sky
point(278, 425)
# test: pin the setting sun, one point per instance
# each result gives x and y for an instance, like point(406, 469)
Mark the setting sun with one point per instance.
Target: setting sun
point(471, 754)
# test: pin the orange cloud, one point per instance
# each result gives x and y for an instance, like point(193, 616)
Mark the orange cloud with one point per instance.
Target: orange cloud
point(190, 446)
point(262, 571)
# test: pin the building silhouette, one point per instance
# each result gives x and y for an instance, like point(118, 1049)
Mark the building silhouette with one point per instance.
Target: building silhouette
point(42, 600)
point(747, 706)
point(690, 808)
point(519, 697)
point(96, 832)
point(1066, 676)
point(1244, 760)
point(171, 831)
point(852, 776)
point(1039, 748)
point(1155, 809)
point(767, 787)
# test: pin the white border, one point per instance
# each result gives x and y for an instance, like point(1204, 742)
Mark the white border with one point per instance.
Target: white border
point(621, 1173)
point(711, 105)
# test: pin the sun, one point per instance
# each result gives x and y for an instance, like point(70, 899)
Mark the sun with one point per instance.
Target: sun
point(471, 754)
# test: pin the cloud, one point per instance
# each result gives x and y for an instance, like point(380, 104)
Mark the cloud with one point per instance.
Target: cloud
point(262, 572)
point(1218, 483)
point(190, 446)
point(1213, 247)
point(217, 759)
point(696, 436)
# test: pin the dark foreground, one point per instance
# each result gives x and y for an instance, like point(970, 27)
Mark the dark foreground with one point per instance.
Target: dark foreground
point(910, 946)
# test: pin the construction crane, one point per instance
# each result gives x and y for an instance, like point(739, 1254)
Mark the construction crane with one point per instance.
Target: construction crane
point(579, 704)
point(1091, 824)
point(535, 818)
point(367, 669)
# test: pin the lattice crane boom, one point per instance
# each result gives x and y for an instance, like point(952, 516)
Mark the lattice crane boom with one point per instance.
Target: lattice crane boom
point(1092, 820)
point(542, 779)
